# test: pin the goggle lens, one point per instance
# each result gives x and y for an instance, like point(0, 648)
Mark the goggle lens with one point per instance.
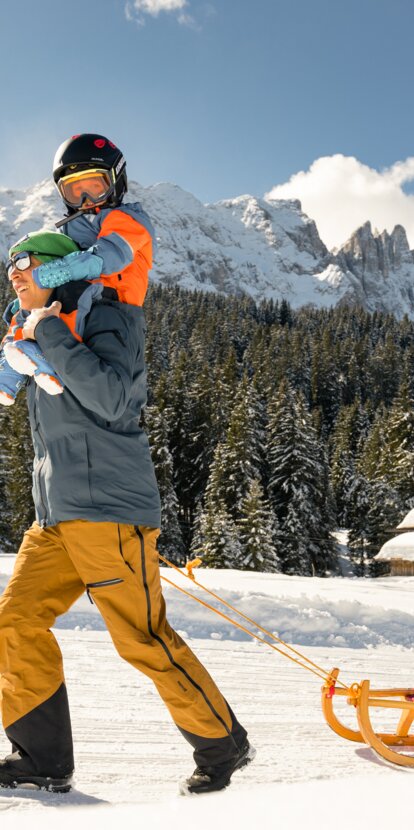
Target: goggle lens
point(92, 185)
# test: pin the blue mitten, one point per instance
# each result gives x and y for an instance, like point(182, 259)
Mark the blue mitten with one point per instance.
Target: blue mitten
point(82, 265)
point(25, 357)
point(10, 382)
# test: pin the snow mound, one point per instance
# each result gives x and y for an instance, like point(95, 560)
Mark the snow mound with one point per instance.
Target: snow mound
point(346, 623)
point(315, 622)
point(345, 613)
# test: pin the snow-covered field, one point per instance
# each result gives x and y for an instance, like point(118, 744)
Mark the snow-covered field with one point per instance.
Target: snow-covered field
point(130, 756)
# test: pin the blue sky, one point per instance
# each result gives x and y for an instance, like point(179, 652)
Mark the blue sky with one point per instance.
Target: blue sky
point(221, 97)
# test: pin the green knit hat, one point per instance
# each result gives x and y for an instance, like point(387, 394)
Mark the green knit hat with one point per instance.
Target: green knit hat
point(45, 245)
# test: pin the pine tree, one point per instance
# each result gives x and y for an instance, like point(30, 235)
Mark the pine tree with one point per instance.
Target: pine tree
point(170, 542)
point(257, 532)
point(5, 511)
point(19, 466)
point(225, 381)
point(16, 506)
point(399, 440)
point(299, 489)
point(244, 441)
point(296, 555)
point(348, 440)
point(374, 461)
point(240, 455)
point(6, 296)
point(178, 414)
point(201, 441)
point(342, 471)
point(384, 371)
point(217, 538)
point(358, 504)
point(323, 548)
point(298, 372)
point(384, 513)
point(283, 452)
point(325, 379)
point(285, 314)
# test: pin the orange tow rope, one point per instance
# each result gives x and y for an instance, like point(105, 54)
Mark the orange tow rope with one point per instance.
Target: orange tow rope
point(307, 664)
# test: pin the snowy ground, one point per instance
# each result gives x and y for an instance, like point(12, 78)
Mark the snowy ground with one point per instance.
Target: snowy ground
point(130, 756)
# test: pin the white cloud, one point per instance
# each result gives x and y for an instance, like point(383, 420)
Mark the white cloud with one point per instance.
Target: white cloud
point(154, 7)
point(135, 10)
point(340, 194)
point(187, 20)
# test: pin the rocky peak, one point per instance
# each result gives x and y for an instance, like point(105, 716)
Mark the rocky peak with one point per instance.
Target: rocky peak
point(367, 253)
point(398, 245)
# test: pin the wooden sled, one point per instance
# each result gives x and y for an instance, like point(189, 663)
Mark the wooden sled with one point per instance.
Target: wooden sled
point(363, 698)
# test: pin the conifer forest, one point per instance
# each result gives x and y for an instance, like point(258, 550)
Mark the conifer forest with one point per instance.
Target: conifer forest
point(269, 429)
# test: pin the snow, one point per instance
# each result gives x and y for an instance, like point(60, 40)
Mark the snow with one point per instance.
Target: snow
point(407, 522)
point(399, 547)
point(130, 756)
point(354, 802)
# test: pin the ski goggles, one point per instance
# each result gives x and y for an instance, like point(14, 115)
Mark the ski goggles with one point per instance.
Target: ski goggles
point(21, 261)
point(94, 185)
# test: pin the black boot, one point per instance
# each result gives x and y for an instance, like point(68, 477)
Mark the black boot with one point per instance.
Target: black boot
point(17, 770)
point(209, 779)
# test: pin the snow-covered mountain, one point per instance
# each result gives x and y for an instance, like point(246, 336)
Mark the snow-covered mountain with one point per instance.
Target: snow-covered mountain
point(262, 248)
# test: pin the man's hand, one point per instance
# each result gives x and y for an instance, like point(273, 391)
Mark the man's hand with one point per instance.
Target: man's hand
point(36, 315)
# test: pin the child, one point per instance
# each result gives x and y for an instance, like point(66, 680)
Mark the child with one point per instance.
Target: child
point(116, 239)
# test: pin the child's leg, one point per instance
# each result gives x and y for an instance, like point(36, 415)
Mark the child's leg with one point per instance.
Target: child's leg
point(26, 356)
point(10, 382)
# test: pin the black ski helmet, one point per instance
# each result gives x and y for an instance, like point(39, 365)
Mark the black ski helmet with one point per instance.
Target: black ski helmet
point(91, 150)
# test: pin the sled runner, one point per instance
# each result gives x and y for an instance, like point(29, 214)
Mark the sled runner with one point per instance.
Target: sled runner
point(359, 695)
point(364, 699)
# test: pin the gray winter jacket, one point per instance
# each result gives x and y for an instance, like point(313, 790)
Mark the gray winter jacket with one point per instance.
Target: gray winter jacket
point(92, 458)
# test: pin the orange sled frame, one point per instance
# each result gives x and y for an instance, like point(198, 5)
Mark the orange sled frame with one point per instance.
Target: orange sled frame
point(363, 698)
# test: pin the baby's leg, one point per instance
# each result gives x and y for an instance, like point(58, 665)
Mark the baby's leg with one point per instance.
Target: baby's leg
point(10, 382)
point(26, 357)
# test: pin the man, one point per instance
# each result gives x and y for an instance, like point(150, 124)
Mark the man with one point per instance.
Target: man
point(97, 519)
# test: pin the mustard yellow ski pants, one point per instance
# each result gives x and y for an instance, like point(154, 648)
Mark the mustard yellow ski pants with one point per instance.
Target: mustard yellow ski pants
point(118, 565)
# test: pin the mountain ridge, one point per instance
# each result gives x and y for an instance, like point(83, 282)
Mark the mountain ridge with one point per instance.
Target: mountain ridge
point(264, 248)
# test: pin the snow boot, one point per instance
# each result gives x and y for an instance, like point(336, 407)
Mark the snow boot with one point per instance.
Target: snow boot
point(10, 382)
point(50, 383)
point(25, 356)
point(17, 771)
point(210, 779)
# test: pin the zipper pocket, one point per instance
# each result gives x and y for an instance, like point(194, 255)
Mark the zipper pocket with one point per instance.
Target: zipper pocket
point(100, 585)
